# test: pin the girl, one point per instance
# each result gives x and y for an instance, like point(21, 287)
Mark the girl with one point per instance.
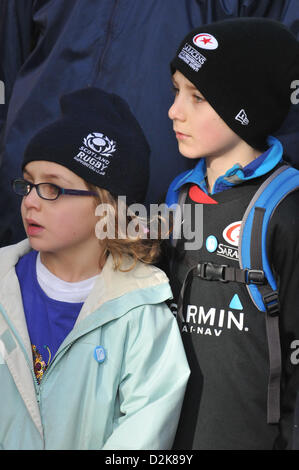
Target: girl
point(91, 357)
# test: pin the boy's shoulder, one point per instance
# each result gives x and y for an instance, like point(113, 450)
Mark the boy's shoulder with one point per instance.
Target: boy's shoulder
point(280, 193)
point(286, 213)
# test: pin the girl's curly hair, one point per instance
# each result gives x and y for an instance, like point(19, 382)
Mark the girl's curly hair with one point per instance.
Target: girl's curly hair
point(138, 246)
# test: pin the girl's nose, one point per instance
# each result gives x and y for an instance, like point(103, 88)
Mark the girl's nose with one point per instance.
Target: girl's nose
point(32, 199)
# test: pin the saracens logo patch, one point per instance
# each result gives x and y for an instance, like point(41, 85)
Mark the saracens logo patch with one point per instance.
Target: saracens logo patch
point(232, 232)
point(100, 144)
point(205, 41)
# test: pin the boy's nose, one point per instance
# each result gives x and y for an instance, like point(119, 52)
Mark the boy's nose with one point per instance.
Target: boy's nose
point(175, 111)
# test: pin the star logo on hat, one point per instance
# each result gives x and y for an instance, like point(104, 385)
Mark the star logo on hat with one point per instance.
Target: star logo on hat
point(205, 41)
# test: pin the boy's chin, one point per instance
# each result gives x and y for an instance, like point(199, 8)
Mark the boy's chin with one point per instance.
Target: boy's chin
point(190, 156)
point(188, 153)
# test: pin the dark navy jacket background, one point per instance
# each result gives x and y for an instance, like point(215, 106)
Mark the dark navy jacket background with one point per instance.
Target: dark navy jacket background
point(49, 47)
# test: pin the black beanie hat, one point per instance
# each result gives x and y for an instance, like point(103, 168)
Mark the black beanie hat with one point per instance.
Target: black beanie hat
point(244, 68)
point(98, 138)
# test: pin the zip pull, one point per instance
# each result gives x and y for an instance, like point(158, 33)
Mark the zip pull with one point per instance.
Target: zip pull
point(38, 396)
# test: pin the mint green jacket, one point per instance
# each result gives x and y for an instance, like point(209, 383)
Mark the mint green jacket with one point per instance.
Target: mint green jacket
point(131, 400)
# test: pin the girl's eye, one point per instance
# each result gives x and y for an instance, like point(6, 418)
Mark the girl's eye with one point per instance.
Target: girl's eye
point(175, 90)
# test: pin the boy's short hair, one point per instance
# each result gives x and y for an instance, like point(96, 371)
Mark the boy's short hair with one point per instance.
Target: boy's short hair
point(244, 67)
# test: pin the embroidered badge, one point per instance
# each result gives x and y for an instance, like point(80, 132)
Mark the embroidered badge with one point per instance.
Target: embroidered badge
point(205, 41)
point(39, 365)
point(192, 57)
point(96, 152)
point(100, 144)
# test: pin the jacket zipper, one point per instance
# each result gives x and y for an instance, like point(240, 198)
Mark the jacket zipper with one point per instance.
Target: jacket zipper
point(45, 375)
point(38, 386)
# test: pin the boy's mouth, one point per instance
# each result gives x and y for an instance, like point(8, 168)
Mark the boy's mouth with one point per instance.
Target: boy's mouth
point(180, 135)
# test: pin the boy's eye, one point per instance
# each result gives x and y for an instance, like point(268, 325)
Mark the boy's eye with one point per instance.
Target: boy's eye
point(198, 98)
point(175, 90)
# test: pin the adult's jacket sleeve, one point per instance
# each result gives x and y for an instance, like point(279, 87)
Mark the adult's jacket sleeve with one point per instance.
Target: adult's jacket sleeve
point(16, 43)
point(153, 381)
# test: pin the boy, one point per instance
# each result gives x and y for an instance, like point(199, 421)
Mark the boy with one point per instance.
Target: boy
point(232, 92)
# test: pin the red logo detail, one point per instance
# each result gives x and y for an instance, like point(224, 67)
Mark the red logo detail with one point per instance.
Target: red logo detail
point(231, 233)
point(198, 195)
point(206, 40)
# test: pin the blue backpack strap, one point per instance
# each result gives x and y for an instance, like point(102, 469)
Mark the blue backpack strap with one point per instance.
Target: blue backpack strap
point(281, 183)
point(253, 257)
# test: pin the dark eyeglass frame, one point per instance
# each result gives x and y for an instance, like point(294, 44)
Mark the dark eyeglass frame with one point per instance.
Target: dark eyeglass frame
point(60, 191)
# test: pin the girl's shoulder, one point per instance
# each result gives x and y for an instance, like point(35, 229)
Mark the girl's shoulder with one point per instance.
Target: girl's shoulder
point(11, 254)
point(140, 274)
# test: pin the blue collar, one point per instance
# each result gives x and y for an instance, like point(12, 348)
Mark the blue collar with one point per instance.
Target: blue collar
point(237, 174)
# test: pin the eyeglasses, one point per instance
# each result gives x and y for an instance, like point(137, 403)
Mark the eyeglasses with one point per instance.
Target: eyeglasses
point(48, 191)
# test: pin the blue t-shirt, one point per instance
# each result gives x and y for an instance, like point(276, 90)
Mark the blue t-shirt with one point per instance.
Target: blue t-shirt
point(49, 321)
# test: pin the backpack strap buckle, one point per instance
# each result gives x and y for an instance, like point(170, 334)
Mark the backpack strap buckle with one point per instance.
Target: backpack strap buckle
point(255, 276)
point(211, 272)
point(271, 303)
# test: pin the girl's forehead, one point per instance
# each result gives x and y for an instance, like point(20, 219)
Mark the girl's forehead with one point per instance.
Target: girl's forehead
point(45, 169)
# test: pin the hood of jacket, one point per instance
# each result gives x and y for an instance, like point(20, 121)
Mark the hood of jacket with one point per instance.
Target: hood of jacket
point(148, 283)
point(120, 293)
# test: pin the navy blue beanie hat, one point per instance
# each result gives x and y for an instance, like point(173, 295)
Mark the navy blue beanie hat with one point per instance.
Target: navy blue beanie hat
point(244, 68)
point(98, 138)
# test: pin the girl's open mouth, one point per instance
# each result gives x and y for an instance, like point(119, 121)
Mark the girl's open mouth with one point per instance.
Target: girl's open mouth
point(33, 228)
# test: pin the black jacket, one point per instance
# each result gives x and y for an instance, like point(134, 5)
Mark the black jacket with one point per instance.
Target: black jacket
point(224, 334)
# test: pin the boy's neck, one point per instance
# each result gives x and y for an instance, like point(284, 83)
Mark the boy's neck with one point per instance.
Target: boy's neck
point(218, 165)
